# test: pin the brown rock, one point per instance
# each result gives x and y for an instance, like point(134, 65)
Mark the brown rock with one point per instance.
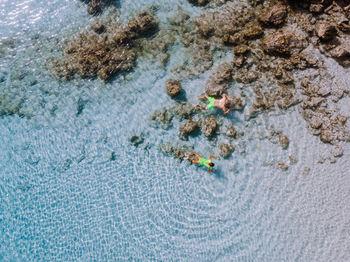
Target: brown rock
point(209, 126)
point(231, 132)
point(326, 136)
point(225, 150)
point(340, 52)
point(274, 15)
point(235, 103)
point(316, 122)
point(98, 28)
point(316, 8)
point(253, 32)
point(240, 50)
point(188, 128)
point(94, 7)
point(344, 26)
point(214, 89)
point(239, 61)
point(232, 39)
point(198, 2)
point(206, 30)
point(283, 166)
point(325, 31)
point(284, 140)
point(90, 55)
point(276, 43)
point(173, 87)
point(337, 151)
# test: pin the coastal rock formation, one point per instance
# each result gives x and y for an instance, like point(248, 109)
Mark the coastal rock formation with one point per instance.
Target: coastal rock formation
point(111, 50)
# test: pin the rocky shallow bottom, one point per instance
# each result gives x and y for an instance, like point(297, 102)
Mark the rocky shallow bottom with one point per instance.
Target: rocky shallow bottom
point(74, 130)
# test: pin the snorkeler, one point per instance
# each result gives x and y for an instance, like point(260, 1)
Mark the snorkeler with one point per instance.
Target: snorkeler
point(201, 160)
point(212, 102)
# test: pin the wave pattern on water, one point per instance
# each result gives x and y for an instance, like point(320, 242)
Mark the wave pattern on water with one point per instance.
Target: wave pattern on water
point(63, 198)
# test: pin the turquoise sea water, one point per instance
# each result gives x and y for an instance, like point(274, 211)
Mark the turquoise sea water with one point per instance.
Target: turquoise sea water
point(63, 199)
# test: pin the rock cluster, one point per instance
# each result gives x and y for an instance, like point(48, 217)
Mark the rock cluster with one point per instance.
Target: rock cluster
point(111, 48)
point(329, 124)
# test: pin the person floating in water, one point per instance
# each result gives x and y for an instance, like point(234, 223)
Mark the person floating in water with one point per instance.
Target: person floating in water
point(212, 102)
point(194, 158)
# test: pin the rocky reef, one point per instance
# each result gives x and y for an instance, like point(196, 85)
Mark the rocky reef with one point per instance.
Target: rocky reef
point(107, 48)
point(275, 44)
point(279, 51)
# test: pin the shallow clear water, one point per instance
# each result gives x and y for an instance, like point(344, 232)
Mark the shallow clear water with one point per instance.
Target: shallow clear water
point(63, 199)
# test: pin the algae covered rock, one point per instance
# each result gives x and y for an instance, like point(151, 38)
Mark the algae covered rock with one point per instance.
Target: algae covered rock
point(110, 49)
point(325, 31)
point(225, 150)
point(199, 2)
point(274, 15)
point(173, 87)
point(162, 117)
point(188, 128)
point(231, 132)
point(209, 126)
point(283, 140)
point(284, 42)
point(253, 32)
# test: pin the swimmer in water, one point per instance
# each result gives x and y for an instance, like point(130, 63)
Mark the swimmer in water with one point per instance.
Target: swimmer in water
point(194, 158)
point(212, 102)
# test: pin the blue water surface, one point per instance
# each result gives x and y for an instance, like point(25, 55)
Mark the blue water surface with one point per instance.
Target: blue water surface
point(63, 197)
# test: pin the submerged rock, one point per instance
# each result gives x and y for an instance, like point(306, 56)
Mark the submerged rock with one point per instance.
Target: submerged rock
point(274, 15)
point(199, 2)
point(94, 7)
point(136, 140)
point(209, 126)
point(325, 30)
point(284, 140)
point(277, 43)
point(231, 132)
point(106, 53)
point(253, 32)
point(188, 128)
point(177, 151)
point(173, 87)
point(225, 150)
point(162, 117)
point(219, 79)
point(284, 42)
